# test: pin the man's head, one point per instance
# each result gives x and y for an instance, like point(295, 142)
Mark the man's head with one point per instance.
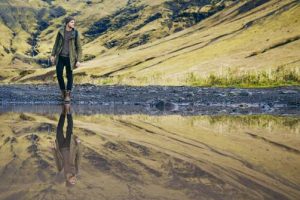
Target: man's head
point(70, 22)
point(71, 180)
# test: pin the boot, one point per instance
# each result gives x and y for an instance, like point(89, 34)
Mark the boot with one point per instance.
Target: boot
point(68, 96)
point(63, 94)
point(66, 109)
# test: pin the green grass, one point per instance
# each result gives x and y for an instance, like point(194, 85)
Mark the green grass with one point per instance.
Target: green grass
point(271, 78)
point(264, 121)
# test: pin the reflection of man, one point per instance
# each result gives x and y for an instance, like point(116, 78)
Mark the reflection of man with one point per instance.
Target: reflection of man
point(67, 149)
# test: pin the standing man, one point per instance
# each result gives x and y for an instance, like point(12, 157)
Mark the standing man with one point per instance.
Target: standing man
point(67, 53)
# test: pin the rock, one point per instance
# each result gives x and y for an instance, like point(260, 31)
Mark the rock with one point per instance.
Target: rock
point(32, 148)
point(190, 94)
point(89, 2)
point(293, 103)
point(32, 137)
point(45, 127)
point(243, 105)
point(165, 106)
point(26, 117)
point(13, 140)
point(266, 107)
point(206, 9)
point(98, 161)
point(112, 146)
point(288, 92)
point(43, 164)
point(244, 93)
point(181, 99)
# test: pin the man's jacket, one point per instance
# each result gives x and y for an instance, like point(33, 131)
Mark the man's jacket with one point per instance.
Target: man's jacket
point(75, 154)
point(75, 50)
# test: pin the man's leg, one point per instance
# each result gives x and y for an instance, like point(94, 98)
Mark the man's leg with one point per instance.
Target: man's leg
point(59, 73)
point(69, 73)
point(69, 128)
point(59, 131)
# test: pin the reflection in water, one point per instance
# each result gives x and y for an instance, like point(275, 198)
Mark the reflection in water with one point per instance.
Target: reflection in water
point(149, 157)
point(66, 150)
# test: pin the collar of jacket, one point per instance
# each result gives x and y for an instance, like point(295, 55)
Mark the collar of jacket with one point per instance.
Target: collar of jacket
point(62, 32)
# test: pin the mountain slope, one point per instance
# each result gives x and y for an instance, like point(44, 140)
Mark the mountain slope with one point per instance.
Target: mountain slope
point(175, 43)
point(229, 43)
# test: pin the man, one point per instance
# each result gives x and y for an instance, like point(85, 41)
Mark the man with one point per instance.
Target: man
point(67, 150)
point(66, 52)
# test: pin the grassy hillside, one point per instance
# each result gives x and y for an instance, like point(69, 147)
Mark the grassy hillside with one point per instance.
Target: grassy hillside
point(225, 43)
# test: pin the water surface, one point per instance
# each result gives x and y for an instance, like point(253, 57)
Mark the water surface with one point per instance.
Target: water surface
point(142, 156)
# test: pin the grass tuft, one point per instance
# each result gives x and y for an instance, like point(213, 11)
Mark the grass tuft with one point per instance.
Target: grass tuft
point(271, 78)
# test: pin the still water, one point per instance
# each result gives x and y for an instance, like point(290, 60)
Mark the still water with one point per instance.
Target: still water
point(143, 156)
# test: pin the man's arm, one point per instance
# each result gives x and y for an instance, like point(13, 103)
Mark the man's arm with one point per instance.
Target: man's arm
point(78, 47)
point(78, 154)
point(55, 44)
point(57, 158)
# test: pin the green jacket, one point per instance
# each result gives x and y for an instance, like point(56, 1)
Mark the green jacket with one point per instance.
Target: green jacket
point(74, 46)
point(75, 154)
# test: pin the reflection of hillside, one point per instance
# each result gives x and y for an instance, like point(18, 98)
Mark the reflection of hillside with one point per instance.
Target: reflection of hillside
point(154, 157)
point(270, 123)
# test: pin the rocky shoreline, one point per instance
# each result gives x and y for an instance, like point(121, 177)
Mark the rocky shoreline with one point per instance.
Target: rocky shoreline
point(156, 99)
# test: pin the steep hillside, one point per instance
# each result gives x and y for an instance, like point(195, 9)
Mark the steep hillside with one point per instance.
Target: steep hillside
point(30, 27)
point(246, 43)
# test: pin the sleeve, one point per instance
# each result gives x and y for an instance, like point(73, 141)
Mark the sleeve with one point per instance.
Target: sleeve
point(78, 156)
point(57, 160)
point(78, 47)
point(55, 45)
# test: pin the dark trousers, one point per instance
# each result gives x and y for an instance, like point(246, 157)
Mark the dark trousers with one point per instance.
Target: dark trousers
point(62, 62)
point(61, 139)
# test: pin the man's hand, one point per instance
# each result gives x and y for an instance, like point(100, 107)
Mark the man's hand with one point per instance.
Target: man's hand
point(52, 146)
point(77, 64)
point(52, 59)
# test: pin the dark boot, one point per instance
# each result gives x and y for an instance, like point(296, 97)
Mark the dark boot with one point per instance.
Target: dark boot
point(66, 109)
point(68, 96)
point(63, 94)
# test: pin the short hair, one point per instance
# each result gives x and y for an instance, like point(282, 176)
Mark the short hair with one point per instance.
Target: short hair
point(68, 19)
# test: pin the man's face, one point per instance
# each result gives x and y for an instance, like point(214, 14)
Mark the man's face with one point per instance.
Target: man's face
point(71, 24)
point(72, 180)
